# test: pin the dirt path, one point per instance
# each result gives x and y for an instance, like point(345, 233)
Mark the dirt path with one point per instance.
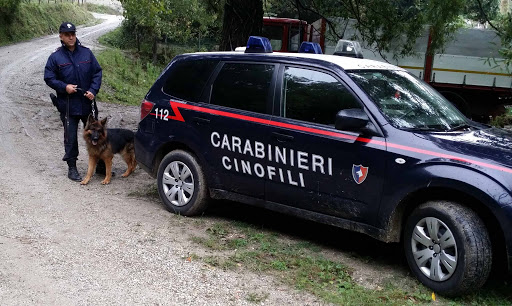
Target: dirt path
point(62, 243)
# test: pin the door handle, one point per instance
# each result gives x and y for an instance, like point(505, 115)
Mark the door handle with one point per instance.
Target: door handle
point(200, 120)
point(282, 137)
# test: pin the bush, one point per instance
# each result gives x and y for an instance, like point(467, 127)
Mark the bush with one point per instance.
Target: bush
point(502, 120)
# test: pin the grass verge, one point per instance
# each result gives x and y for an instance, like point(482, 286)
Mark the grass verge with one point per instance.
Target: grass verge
point(236, 246)
point(297, 264)
point(126, 80)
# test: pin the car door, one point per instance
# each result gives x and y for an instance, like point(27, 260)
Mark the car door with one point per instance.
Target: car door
point(319, 168)
point(241, 102)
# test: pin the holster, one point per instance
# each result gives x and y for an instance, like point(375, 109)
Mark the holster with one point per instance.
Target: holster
point(54, 100)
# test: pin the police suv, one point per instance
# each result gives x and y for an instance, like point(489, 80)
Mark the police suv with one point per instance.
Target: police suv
point(349, 142)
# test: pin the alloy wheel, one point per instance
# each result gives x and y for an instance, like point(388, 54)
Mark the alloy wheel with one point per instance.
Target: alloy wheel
point(178, 183)
point(434, 249)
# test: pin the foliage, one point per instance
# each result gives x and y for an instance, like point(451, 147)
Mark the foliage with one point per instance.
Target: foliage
point(502, 120)
point(390, 25)
point(395, 24)
point(162, 20)
point(481, 10)
point(504, 27)
point(8, 8)
point(242, 18)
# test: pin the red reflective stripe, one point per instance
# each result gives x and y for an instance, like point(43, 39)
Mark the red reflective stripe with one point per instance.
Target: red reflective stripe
point(175, 105)
point(179, 117)
point(452, 157)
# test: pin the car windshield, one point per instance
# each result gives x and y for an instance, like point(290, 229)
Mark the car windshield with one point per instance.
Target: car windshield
point(408, 102)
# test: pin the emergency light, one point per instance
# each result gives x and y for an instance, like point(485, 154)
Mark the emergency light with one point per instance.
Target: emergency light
point(258, 44)
point(310, 47)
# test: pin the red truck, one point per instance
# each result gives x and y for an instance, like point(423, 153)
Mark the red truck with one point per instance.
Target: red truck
point(286, 34)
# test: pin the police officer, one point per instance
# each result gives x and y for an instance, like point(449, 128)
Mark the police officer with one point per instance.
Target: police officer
point(75, 74)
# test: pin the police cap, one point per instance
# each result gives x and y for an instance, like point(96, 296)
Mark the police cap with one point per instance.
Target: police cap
point(67, 27)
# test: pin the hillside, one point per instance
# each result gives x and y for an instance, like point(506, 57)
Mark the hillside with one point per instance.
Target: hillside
point(34, 20)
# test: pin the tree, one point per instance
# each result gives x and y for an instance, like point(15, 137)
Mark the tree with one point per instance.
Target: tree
point(242, 18)
point(158, 20)
point(392, 24)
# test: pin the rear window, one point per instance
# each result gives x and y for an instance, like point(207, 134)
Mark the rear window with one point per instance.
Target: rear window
point(243, 86)
point(187, 79)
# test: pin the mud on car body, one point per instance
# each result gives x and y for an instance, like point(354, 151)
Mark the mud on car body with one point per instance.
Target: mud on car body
point(349, 142)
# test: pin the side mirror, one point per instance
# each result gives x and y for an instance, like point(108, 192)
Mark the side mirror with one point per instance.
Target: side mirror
point(352, 119)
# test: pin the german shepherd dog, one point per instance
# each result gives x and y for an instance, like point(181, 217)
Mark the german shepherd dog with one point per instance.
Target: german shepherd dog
point(103, 143)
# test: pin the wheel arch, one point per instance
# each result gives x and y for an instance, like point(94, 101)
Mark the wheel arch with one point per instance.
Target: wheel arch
point(407, 205)
point(167, 147)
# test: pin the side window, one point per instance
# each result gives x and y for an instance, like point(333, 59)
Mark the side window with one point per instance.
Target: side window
point(243, 86)
point(314, 96)
point(294, 39)
point(275, 35)
point(187, 79)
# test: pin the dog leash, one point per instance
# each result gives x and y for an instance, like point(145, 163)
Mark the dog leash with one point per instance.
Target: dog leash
point(94, 106)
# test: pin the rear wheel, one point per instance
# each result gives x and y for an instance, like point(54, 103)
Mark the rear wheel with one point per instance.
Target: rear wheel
point(181, 184)
point(447, 247)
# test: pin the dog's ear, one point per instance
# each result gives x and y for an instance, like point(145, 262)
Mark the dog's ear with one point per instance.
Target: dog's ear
point(90, 120)
point(104, 121)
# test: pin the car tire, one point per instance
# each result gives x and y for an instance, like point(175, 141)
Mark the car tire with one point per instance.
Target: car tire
point(181, 184)
point(459, 262)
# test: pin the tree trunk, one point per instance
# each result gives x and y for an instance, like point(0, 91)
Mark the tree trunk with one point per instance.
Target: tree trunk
point(137, 39)
point(154, 49)
point(242, 18)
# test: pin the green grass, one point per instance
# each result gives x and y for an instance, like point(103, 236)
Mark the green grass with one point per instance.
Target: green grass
point(147, 192)
point(35, 20)
point(256, 298)
point(126, 80)
point(127, 74)
point(300, 264)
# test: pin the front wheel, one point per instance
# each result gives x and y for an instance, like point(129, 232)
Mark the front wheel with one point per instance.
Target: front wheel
point(181, 184)
point(447, 247)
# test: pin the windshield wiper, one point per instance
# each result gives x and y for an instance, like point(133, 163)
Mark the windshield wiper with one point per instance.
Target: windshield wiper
point(459, 127)
point(421, 129)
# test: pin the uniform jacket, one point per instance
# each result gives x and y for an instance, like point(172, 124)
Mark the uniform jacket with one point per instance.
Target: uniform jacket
point(79, 67)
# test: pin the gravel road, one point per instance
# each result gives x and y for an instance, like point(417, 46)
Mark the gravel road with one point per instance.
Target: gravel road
point(66, 244)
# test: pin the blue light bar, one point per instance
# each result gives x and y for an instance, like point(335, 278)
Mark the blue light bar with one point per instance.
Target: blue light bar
point(310, 47)
point(257, 44)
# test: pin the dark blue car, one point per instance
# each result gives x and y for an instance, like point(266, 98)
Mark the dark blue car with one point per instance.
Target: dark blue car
point(353, 143)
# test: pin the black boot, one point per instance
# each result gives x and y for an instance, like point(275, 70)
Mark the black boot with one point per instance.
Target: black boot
point(73, 172)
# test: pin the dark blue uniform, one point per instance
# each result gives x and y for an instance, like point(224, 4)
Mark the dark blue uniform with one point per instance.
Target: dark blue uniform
point(81, 68)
